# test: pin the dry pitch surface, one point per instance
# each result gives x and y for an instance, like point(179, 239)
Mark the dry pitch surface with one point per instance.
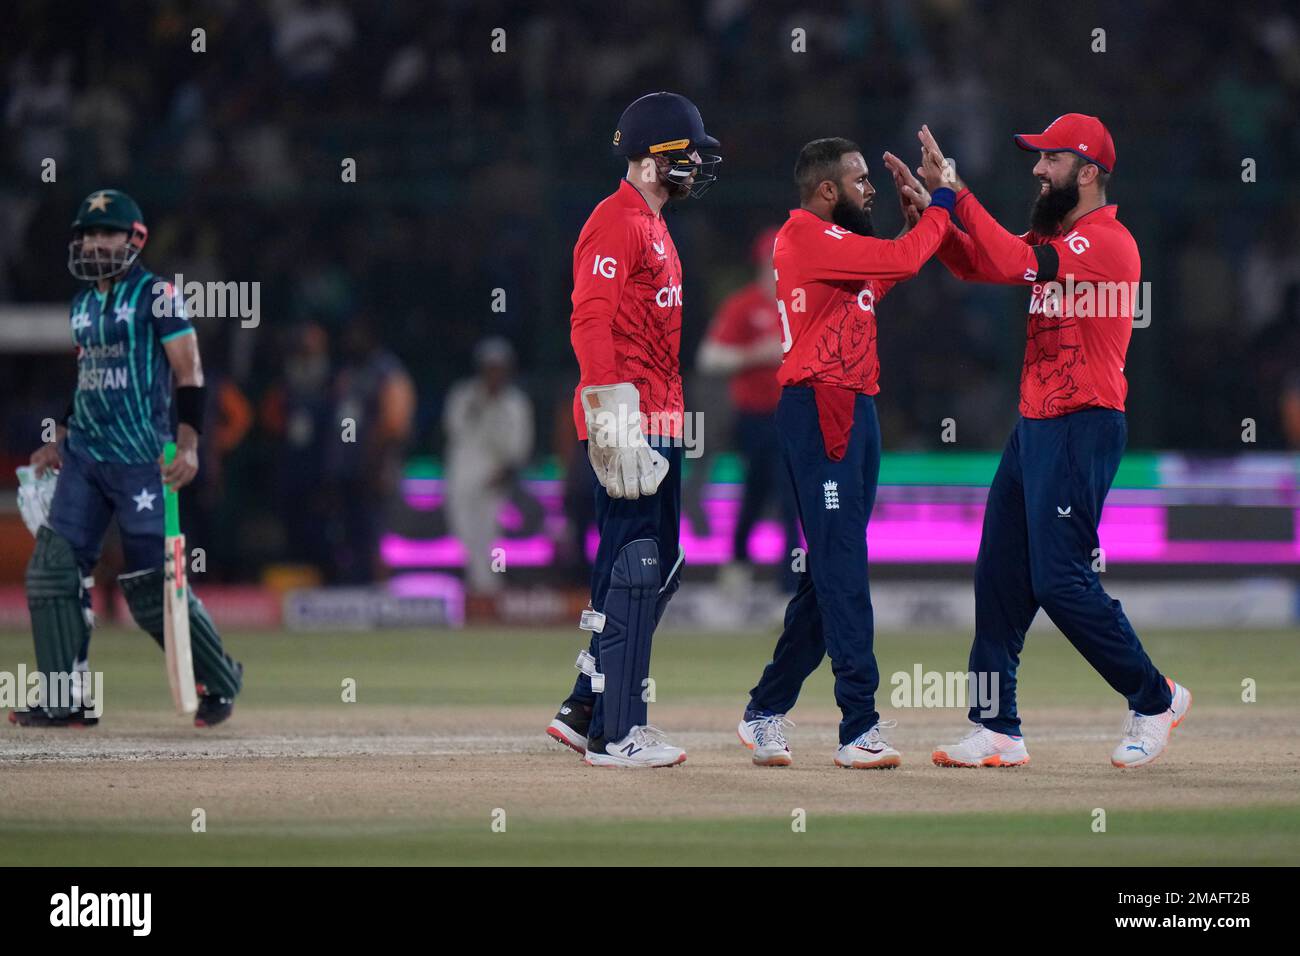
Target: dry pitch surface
point(445, 740)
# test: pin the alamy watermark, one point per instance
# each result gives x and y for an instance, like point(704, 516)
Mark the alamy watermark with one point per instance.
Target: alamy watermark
point(1086, 299)
point(212, 300)
point(61, 690)
point(670, 429)
point(964, 689)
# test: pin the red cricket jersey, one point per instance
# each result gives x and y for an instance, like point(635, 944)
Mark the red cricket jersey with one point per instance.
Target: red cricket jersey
point(627, 309)
point(747, 317)
point(1077, 336)
point(828, 283)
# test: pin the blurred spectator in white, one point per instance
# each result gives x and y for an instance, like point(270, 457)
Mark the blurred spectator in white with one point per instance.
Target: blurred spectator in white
point(489, 423)
point(744, 342)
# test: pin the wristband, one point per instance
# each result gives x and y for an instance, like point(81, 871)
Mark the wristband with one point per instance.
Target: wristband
point(944, 198)
point(189, 406)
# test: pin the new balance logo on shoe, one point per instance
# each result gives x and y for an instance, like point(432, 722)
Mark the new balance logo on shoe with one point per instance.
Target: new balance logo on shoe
point(630, 749)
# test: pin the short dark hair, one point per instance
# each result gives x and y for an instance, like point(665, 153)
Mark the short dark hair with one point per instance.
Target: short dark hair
point(819, 161)
point(1103, 177)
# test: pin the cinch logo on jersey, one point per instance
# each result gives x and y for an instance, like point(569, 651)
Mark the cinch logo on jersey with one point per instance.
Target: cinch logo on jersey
point(212, 300)
point(66, 690)
point(1086, 300)
point(668, 296)
point(964, 689)
point(134, 910)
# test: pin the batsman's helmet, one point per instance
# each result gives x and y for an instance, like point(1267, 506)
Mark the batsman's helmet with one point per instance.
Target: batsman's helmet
point(668, 125)
point(106, 209)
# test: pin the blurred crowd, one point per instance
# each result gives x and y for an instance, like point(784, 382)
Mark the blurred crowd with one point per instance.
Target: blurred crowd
point(478, 155)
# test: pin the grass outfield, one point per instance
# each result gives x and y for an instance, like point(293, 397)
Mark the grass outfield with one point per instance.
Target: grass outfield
point(446, 727)
point(1260, 836)
point(484, 667)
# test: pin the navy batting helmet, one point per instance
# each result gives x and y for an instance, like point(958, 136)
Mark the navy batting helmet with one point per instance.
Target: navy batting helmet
point(668, 126)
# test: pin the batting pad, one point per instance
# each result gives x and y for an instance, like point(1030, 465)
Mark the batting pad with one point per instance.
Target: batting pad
point(54, 601)
point(625, 641)
point(670, 586)
point(213, 667)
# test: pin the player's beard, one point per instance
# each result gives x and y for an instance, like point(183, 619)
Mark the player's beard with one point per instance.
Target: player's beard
point(676, 191)
point(849, 215)
point(1051, 207)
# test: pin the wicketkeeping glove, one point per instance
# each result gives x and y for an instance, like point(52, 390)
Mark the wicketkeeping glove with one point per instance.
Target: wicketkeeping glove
point(625, 464)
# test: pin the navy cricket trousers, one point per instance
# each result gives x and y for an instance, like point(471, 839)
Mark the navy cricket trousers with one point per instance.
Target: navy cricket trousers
point(1037, 550)
point(830, 612)
point(621, 521)
point(90, 493)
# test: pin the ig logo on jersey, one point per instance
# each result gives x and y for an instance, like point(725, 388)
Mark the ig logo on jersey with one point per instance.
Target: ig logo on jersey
point(604, 265)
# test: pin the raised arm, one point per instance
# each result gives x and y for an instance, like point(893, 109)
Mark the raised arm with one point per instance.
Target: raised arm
point(838, 254)
point(985, 252)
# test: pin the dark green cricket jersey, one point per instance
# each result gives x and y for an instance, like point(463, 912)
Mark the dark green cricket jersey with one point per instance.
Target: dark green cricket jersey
point(122, 406)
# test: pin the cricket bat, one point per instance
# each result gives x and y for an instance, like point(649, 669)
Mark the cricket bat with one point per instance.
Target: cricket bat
point(176, 603)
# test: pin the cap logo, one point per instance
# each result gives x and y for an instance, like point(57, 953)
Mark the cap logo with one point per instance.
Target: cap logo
point(618, 134)
point(1083, 147)
point(671, 145)
point(99, 202)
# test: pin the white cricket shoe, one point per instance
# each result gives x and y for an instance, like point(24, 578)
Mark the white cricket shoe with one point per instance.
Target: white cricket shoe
point(643, 747)
point(983, 748)
point(1145, 737)
point(869, 751)
point(766, 737)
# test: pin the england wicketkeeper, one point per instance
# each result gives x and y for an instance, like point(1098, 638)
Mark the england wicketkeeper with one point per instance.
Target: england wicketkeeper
point(626, 329)
point(133, 339)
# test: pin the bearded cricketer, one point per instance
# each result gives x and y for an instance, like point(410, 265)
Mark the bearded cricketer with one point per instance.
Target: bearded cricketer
point(133, 341)
point(1039, 540)
point(831, 275)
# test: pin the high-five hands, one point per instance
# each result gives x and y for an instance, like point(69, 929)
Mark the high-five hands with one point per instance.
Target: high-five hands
point(912, 196)
point(936, 170)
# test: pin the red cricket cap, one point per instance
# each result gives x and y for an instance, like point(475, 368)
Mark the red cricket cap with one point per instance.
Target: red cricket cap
point(1076, 133)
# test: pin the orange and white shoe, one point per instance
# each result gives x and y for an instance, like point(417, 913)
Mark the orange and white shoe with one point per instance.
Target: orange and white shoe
point(765, 736)
point(869, 751)
point(983, 748)
point(1146, 736)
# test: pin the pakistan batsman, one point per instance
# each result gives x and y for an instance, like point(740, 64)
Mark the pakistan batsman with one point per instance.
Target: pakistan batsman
point(132, 338)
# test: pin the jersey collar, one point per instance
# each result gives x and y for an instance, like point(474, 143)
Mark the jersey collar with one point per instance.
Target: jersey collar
point(1108, 211)
point(630, 197)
